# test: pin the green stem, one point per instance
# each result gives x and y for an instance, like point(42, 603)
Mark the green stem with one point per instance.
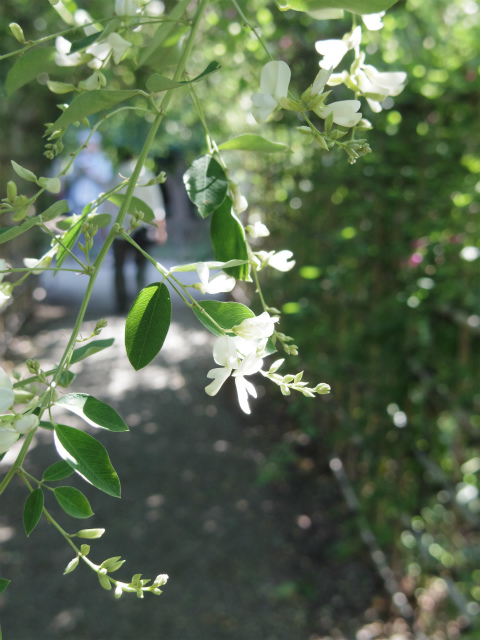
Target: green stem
point(111, 236)
point(252, 27)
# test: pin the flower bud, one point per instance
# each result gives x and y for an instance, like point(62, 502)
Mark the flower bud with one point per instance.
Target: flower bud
point(11, 191)
point(322, 388)
point(17, 32)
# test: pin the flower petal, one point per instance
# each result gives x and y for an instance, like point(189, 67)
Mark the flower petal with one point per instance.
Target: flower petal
point(332, 51)
point(243, 389)
point(275, 78)
point(225, 352)
point(219, 376)
point(250, 365)
point(344, 112)
point(221, 284)
point(203, 273)
point(7, 437)
point(26, 423)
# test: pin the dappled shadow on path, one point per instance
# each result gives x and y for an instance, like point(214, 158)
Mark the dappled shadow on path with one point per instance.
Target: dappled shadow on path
point(190, 507)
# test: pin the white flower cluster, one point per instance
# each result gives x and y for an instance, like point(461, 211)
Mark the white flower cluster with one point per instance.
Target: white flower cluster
point(363, 79)
point(243, 355)
point(12, 425)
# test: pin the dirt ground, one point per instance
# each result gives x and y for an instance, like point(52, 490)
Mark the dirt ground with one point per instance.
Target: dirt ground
point(192, 507)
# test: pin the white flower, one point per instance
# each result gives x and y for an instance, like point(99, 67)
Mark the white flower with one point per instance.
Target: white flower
point(219, 284)
point(274, 81)
point(126, 7)
point(26, 423)
point(8, 436)
point(258, 230)
point(81, 18)
point(93, 82)
point(6, 392)
point(280, 261)
point(376, 85)
point(333, 51)
point(256, 328)
point(240, 203)
point(320, 81)
point(373, 21)
point(225, 354)
point(119, 46)
point(62, 57)
point(344, 112)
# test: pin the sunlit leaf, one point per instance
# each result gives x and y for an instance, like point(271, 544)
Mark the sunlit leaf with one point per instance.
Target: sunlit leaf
point(73, 502)
point(228, 239)
point(225, 314)
point(362, 7)
point(252, 142)
point(147, 324)
point(206, 184)
point(88, 458)
point(89, 103)
point(89, 349)
point(96, 413)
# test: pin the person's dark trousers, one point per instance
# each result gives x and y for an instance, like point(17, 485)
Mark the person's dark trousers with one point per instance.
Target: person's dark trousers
point(121, 251)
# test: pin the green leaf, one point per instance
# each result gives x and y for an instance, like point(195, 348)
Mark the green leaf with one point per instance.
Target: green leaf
point(57, 471)
point(101, 220)
point(252, 142)
point(33, 510)
point(90, 103)
point(67, 223)
point(93, 411)
point(88, 457)
point(26, 174)
point(66, 378)
point(8, 233)
point(57, 209)
point(147, 324)
point(135, 204)
point(206, 184)
point(29, 66)
point(89, 349)
point(157, 82)
point(164, 31)
point(53, 185)
point(83, 43)
point(211, 265)
point(225, 314)
point(71, 566)
point(68, 241)
point(228, 239)
point(89, 534)
point(73, 502)
point(4, 584)
point(354, 6)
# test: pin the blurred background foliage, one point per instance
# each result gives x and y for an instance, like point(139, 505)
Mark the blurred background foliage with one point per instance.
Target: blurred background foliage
point(384, 301)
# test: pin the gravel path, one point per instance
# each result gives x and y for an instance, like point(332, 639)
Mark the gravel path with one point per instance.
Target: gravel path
point(191, 505)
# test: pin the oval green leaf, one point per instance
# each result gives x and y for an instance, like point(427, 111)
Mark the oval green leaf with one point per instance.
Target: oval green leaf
point(73, 502)
point(252, 142)
point(362, 7)
point(228, 239)
point(88, 458)
point(225, 314)
point(89, 349)
point(12, 232)
point(89, 103)
point(206, 184)
point(29, 66)
point(57, 209)
point(135, 205)
point(4, 584)
point(57, 471)
point(147, 324)
point(33, 510)
point(96, 413)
